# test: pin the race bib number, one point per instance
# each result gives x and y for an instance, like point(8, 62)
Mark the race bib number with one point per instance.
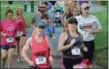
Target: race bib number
point(76, 51)
point(19, 33)
point(41, 60)
point(10, 39)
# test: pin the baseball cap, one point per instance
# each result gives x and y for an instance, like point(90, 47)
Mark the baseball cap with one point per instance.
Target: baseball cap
point(84, 5)
point(40, 25)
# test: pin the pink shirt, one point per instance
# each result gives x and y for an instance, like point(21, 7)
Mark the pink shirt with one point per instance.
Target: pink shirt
point(21, 25)
point(8, 27)
point(40, 48)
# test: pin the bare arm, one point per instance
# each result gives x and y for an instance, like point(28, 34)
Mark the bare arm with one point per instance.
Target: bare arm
point(62, 40)
point(62, 18)
point(51, 52)
point(25, 49)
point(97, 30)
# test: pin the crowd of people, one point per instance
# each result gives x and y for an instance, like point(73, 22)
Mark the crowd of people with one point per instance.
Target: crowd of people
point(76, 41)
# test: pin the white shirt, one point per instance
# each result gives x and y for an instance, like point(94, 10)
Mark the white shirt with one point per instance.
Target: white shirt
point(84, 22)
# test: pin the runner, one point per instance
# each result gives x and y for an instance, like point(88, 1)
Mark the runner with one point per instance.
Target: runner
point(8, 35)
point(70, 45)
point(40, 48)
point(71, 7)
point(88, 26)
point(21, 32)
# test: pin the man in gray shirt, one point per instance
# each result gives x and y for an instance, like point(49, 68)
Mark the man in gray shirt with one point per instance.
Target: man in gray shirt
point(42, 8)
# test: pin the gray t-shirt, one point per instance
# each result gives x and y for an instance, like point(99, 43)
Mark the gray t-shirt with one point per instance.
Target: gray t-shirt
point(37, 18)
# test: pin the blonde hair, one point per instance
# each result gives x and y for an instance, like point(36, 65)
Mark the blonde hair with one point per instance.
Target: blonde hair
point(21, 9)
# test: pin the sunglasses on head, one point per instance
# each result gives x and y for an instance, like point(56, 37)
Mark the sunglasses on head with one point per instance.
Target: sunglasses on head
point(87, 8)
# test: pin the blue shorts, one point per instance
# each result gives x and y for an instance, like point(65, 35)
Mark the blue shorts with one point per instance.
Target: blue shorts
point(48, 30)
point(6, 47)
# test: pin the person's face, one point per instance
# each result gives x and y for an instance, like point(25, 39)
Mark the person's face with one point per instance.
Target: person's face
point(39, 30)
point(42, 8)
point(74, 11)
point(72, 27)
point(20, 12)
point(9, 15)
point(85, 10)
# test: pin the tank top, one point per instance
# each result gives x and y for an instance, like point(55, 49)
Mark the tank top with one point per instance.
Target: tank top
point(40, 53)
point(21, 25)
point(68, 53)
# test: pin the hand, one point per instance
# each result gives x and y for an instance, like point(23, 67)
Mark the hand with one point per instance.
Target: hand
point(50, 59)
point(85, 49)
point(31, 63)
point(3, 34)
point(90, 30)
point(72, 42)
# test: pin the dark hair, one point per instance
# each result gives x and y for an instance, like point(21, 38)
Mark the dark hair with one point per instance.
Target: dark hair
point(72, 20)
point(45, 16)
point(46, 3)
point(8, 11)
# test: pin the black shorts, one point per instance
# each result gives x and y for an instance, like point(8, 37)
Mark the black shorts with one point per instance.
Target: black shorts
point(69, 63)
point(18, 38)
point(6, 47)
point(91, 49)
point(31, 67)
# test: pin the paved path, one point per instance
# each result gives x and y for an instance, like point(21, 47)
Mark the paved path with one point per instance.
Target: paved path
point(57, 61)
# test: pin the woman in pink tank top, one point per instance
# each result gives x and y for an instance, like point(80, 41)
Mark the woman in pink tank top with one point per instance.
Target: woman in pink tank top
point(41, 52)
point(8, 37)
point(21, 32)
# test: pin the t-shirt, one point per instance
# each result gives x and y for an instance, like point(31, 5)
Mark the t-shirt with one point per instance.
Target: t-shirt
point(88, 22)
point(37, 18)
point(10, 29)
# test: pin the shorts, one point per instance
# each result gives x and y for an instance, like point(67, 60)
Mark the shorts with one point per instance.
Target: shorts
point(31, 67)
point(18, 38)
point(91, 49)
point(69, 63)
point(6, 47)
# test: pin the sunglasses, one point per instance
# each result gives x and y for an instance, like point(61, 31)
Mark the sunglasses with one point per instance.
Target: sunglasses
point(42, 7)
point(87, 8)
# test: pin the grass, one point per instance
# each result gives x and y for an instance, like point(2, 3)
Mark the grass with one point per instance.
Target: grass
point(14, 6)
point(101, 38)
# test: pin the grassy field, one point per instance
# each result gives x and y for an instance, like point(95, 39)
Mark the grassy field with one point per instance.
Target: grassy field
point(14, 6)
point(100, 41)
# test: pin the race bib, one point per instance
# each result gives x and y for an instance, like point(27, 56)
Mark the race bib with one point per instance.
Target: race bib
point(41, 60)
point(19, 33)
point(76, 51)
point(10, 39)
